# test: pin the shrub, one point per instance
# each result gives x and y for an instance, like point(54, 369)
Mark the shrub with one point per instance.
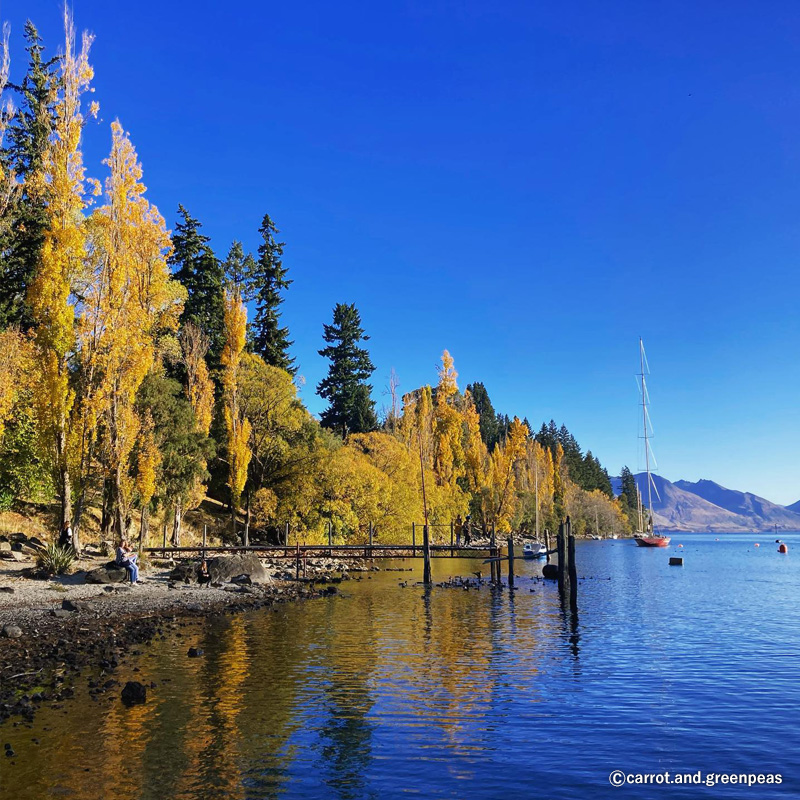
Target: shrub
point(55, 560)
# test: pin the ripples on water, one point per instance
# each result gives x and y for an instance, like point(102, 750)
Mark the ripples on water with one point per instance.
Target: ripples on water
point(389, 692)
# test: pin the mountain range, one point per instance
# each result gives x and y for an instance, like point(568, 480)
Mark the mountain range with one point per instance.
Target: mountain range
point(707, 506)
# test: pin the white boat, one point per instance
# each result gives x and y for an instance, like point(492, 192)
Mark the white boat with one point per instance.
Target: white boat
point(533, 550)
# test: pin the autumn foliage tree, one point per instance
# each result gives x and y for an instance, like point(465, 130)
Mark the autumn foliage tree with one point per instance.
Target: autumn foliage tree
point(60, 263)
point(236, 424)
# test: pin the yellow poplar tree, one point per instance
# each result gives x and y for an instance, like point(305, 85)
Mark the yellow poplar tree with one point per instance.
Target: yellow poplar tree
point(236, 424)
point(475, 452)
point(501, 499)
point(15, 362)
point(62, 256)
point(147, 465)
point(130, 300)
point(199, 387)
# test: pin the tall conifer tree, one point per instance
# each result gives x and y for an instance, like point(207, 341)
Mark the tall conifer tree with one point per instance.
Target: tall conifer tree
point(23, 235)
point(351, 409)
point(267, 282)
point(201, 272)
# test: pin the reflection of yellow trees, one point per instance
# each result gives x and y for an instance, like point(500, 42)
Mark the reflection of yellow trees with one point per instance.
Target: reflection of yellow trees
point(125, 734)
point(212, 735)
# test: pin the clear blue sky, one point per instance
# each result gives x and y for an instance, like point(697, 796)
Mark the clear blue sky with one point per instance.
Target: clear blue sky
point(530, 185)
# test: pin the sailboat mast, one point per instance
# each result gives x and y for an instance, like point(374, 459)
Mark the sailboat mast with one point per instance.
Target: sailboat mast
point(536, 481)
point(646, 439)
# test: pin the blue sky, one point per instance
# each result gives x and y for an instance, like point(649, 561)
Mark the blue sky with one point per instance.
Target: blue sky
point(530, 185)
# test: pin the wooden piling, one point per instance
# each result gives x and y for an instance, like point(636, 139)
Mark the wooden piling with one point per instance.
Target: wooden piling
point(452, 536)
point(510, 562)
point(426, 553)
point(164, 550)
point(371, 531)
point(286, 536)
point(330, 537)
point(297, 563)
point(573, 570)
point(205, 537)
point(413, 539)
point(561, 553)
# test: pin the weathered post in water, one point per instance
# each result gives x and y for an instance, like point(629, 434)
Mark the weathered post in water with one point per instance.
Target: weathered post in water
point(511, 562)
point(371, 532)
point(413, 539)
point(426, 553)
point(286, 536)
point(205, 536)
point(164, 545)
point(561, 553)
point(573, 570)
point(330, 538)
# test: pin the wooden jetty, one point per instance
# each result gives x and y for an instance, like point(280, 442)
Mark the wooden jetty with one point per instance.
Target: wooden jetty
point(491, 554)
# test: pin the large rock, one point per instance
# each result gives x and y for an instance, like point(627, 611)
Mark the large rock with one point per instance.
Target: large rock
point(11, 555)
point(5, 546)
point(110, 573)
point(134, 693)
point(186, 573)
point(11, 631)
point(223, 568)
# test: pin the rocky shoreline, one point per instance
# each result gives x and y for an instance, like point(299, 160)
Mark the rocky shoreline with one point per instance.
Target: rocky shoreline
point(59, 631)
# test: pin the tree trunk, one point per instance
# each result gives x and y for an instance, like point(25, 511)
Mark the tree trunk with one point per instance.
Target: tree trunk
point(66, 488)
point(119, 511)
point(176, 523)
point(143, 529)
point(246, 541)
point(106, 520)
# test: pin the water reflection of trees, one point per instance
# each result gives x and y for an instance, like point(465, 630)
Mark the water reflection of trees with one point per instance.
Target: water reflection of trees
point(301, 694)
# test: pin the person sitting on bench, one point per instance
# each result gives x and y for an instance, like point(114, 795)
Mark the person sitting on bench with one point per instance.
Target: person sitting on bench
point(127, 558)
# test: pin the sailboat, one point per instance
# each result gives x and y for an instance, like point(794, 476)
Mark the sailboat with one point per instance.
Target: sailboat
point(646, 535)
point(535, 549)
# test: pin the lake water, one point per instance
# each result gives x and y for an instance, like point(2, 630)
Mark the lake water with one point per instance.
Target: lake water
point(387, 692)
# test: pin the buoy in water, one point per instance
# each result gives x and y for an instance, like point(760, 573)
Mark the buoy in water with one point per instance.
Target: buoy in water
point(680, 545)
point(756, 545)
point(783, 548)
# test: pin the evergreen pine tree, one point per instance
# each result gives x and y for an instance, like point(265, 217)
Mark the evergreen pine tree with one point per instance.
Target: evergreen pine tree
point(629, 488)
point(238, 269)
point(200, 271)
point(487, 417)
point(267, 281)
point(351, 409)
point(22, 234)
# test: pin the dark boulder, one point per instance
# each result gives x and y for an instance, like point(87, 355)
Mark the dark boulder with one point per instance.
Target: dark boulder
point(134, 693)
point(109, 573)
point(194, 652)
point(186, 573)
point(76, 605)
point(223, 568)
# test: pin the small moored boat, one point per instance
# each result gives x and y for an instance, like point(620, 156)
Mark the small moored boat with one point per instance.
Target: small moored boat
point(533, 550)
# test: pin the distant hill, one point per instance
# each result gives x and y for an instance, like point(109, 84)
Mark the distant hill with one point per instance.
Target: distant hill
point(794, 507)
point(707, 506)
